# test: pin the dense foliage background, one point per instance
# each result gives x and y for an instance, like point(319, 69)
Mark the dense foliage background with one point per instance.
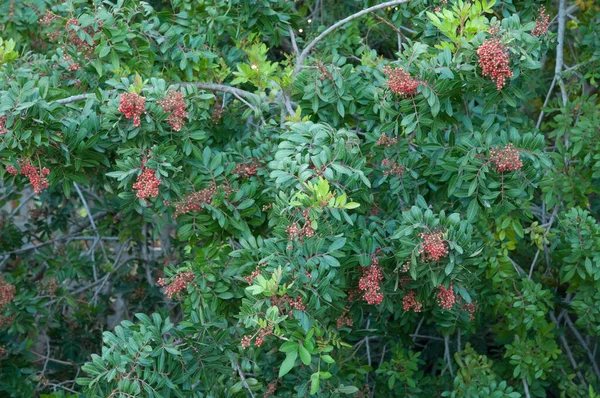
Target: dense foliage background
point(289, 198)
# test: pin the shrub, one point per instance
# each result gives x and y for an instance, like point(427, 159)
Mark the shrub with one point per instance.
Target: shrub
point(275, 198)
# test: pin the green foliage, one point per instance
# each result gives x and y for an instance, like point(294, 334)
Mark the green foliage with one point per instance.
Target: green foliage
point(298, 211)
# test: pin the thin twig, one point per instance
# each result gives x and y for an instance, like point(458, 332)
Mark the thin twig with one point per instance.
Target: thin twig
point(568, 350)
point(239, 370)
point(583, 345)
point(537, 254)
point(447, 354)
point(336, 25)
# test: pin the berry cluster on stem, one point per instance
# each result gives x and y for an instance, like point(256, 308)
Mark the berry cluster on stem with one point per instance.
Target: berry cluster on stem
point(494, 61)
point(369, 282)
point(175, 106)
point(446, 297)
point(3, 129)
point(386, 141)
point(400, 82)
point(392, 168)
point(147, 184)
point(541, 23)
point(409, 302)
point(178, 284)
point(37, 176)
point(258, 337)
point(196, 201)
point(7, 293)
point(132, 105)
point(246, 170)
point(434, 247)
point(506, 159)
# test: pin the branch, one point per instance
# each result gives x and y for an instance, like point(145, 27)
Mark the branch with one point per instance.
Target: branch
point(201, 85)
point(239, 370)
point(294, 43)
point(568, 350)
point(336, 25)
point(583, 344)
point(526, 388)
point(562, 16)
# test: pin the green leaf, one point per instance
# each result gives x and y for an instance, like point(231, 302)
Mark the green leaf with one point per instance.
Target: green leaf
point(288, 363)
point(304, 355)
point(314, 383)
point(347, 389)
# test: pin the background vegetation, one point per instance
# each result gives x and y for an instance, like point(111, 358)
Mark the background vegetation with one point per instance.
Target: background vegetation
point(299, 198)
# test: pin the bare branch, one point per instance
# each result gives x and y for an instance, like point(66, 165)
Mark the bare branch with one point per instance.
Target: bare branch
point(294, 43)
point(583, 345)
point(567, 349)
point(205, 86)
point(239, 370)
point(336, 25)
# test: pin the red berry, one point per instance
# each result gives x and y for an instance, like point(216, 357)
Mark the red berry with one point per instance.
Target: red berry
point(400, 82)
point(175, 106)
point(506, 159)
point(494, 61)
point(132, 105)
point(541, 23)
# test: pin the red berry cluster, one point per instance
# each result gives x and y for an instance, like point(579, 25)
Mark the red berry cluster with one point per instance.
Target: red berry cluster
point(73, 66)
point(541, 23)
point(253, 275)
point(195, 201)
point(271, 388)
point(175, 106)
point(36, 175)
point(386, 141)
point(147, 184)
point(259, 338)
point(132, 105)
point(344, 319)
point(470, 308)
point(12, 170)
point(506, 159)
point(3, 129)
point(324, 73)
point(81, 45)
point(392, 167)
point(446, 297)
point(307, 230)
point(369, 282)
point(400, 82)
point(494, 61)
point(285, 300)
point(246, 170)
point(7, 293)
point(217, 113)
point(434, 247)
point(409, 302)
point(178, 284)
point(47, 18)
